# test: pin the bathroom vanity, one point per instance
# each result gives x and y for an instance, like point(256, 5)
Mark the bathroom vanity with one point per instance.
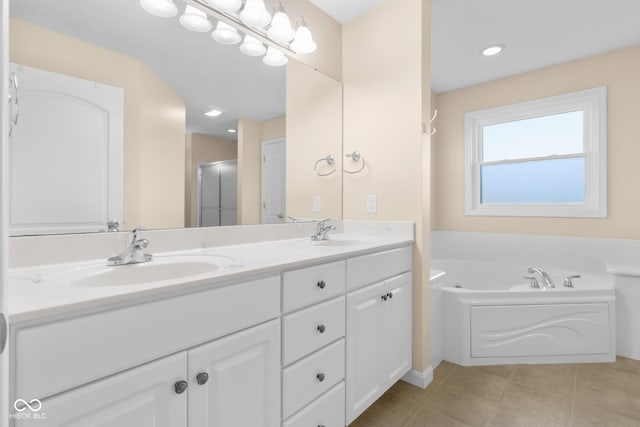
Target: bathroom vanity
point(310, 339)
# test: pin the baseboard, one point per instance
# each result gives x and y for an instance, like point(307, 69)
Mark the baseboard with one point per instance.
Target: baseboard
point(419, 379)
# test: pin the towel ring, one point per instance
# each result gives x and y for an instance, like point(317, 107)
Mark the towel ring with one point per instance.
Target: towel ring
point(355, 156)
point(329, 160)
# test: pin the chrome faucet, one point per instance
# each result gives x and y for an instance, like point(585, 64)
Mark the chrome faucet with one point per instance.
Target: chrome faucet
point(546, 280)
point(133, 253)
point(322, 230)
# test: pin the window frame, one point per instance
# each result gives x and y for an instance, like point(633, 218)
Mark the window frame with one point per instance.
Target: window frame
point(594, 104)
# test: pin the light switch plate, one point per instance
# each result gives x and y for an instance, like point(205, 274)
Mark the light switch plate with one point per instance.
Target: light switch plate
point(372, 203)
point(316, 203)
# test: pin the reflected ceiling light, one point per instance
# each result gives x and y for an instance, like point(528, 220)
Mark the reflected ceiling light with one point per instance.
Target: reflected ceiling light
point(274, 57)
point(226, 5)
point(195, 20)
point(231, 130)
point(255, 14)
point(303, 42)
point(226, 34)
point(280, 29)
point(213, 113)
point(161, 8)
point(492, 50)
point(252, 46)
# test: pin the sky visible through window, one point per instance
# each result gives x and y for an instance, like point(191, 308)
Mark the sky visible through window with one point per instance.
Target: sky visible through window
point(536, 181)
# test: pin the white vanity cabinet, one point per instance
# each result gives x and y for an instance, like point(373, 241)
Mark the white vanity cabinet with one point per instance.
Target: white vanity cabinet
point(378, 328)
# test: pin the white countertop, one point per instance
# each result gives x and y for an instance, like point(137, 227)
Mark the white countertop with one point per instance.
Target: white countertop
point(45, 292)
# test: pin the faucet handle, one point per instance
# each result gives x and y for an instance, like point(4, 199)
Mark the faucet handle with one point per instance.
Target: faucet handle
point(533, 282)
point(567, 280)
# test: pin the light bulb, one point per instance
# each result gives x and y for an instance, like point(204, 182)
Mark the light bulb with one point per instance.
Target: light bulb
point(226, 34)
point(280, 29)
point(255, 14)
point(303, 42)
point(226, 5)
point(274, 57)
point(195, 20)
point(252, 46)
point(161, 8)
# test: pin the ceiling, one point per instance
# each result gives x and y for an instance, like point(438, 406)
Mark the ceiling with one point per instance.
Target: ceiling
point(536, 33)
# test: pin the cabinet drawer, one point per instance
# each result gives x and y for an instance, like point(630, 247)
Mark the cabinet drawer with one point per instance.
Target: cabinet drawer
point(327, 410)
point(367, 269)
point(87, 348)
point(301, 381)
point(307, 286)
point(306, 331)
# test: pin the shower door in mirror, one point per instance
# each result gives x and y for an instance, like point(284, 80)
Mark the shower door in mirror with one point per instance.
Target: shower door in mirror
point(66, 155)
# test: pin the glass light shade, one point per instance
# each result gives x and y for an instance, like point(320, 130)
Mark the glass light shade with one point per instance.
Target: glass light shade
point(195, 20)
point(255, 14)
point(226, 34)
point(226, 5)
point(274, 57)
point(303, 42)
point(280, 29)
point(161, 8)
point(252, 46)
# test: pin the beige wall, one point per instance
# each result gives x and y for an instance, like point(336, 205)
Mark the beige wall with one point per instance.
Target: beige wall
point(251, 133)
point(314, 130)
point(202, 149)
point(386, 100)
point(154, 122)
point(620, 72)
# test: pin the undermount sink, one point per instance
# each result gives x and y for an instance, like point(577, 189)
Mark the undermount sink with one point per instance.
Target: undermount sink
point(160, 269)
point(337, 243)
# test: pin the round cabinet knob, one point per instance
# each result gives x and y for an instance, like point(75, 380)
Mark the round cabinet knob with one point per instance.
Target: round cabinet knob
point(321, 284)
point(202, 378)
point(180, 387)
point(321, 328)
point(320, 377)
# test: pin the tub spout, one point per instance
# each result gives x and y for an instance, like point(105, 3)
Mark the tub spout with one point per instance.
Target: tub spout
point(546, 280)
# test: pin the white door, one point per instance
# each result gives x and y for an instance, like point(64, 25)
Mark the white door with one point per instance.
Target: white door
point(273, 181)
point(68, 127)
point(142, 397)
point(235, 381)
point(397, 320)
point(364, 358)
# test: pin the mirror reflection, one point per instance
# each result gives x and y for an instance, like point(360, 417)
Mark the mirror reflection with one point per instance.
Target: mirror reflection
point(67, 173)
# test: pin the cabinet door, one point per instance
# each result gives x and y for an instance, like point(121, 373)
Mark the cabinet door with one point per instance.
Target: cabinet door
point(243, 385)
point(364, 359)
point(397, 336)
point(142, 397)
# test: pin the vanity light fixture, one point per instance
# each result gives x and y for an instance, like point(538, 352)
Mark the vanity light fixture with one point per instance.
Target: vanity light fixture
point(255, 14)
point(226, 34)
point(161, 8)
point(195, 20)
point(303, 42)
point(252, 46)
point(493, 50)
point(226, 5)
point(213, 113)
point(274, 57)
point(280, 29)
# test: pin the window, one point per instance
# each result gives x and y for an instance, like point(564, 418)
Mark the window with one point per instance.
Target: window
point(545, 157)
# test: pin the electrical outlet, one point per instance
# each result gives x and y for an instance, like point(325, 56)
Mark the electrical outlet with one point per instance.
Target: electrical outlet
point(316, 203)
point(372, 203)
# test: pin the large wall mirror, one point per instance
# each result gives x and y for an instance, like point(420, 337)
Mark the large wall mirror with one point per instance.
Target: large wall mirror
point(284, 117)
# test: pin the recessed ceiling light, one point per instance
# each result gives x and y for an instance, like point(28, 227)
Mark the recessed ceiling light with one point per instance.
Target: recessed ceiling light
point(213, 113)
point(492, 50)
point(231, 130)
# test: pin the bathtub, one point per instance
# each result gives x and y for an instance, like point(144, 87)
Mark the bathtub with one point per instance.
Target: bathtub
point(490, 315)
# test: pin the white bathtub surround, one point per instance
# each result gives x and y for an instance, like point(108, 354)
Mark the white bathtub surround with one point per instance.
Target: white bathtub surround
point(494, 261)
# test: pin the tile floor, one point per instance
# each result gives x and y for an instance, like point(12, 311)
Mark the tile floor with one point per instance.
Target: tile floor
point(572, 395)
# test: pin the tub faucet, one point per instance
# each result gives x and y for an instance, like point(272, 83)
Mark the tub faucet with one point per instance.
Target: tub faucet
point(546, 280)
point(322, 230)
point(133, 253)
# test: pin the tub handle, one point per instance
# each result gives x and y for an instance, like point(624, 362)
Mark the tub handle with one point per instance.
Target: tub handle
point(567, 280)
point(533, 282)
